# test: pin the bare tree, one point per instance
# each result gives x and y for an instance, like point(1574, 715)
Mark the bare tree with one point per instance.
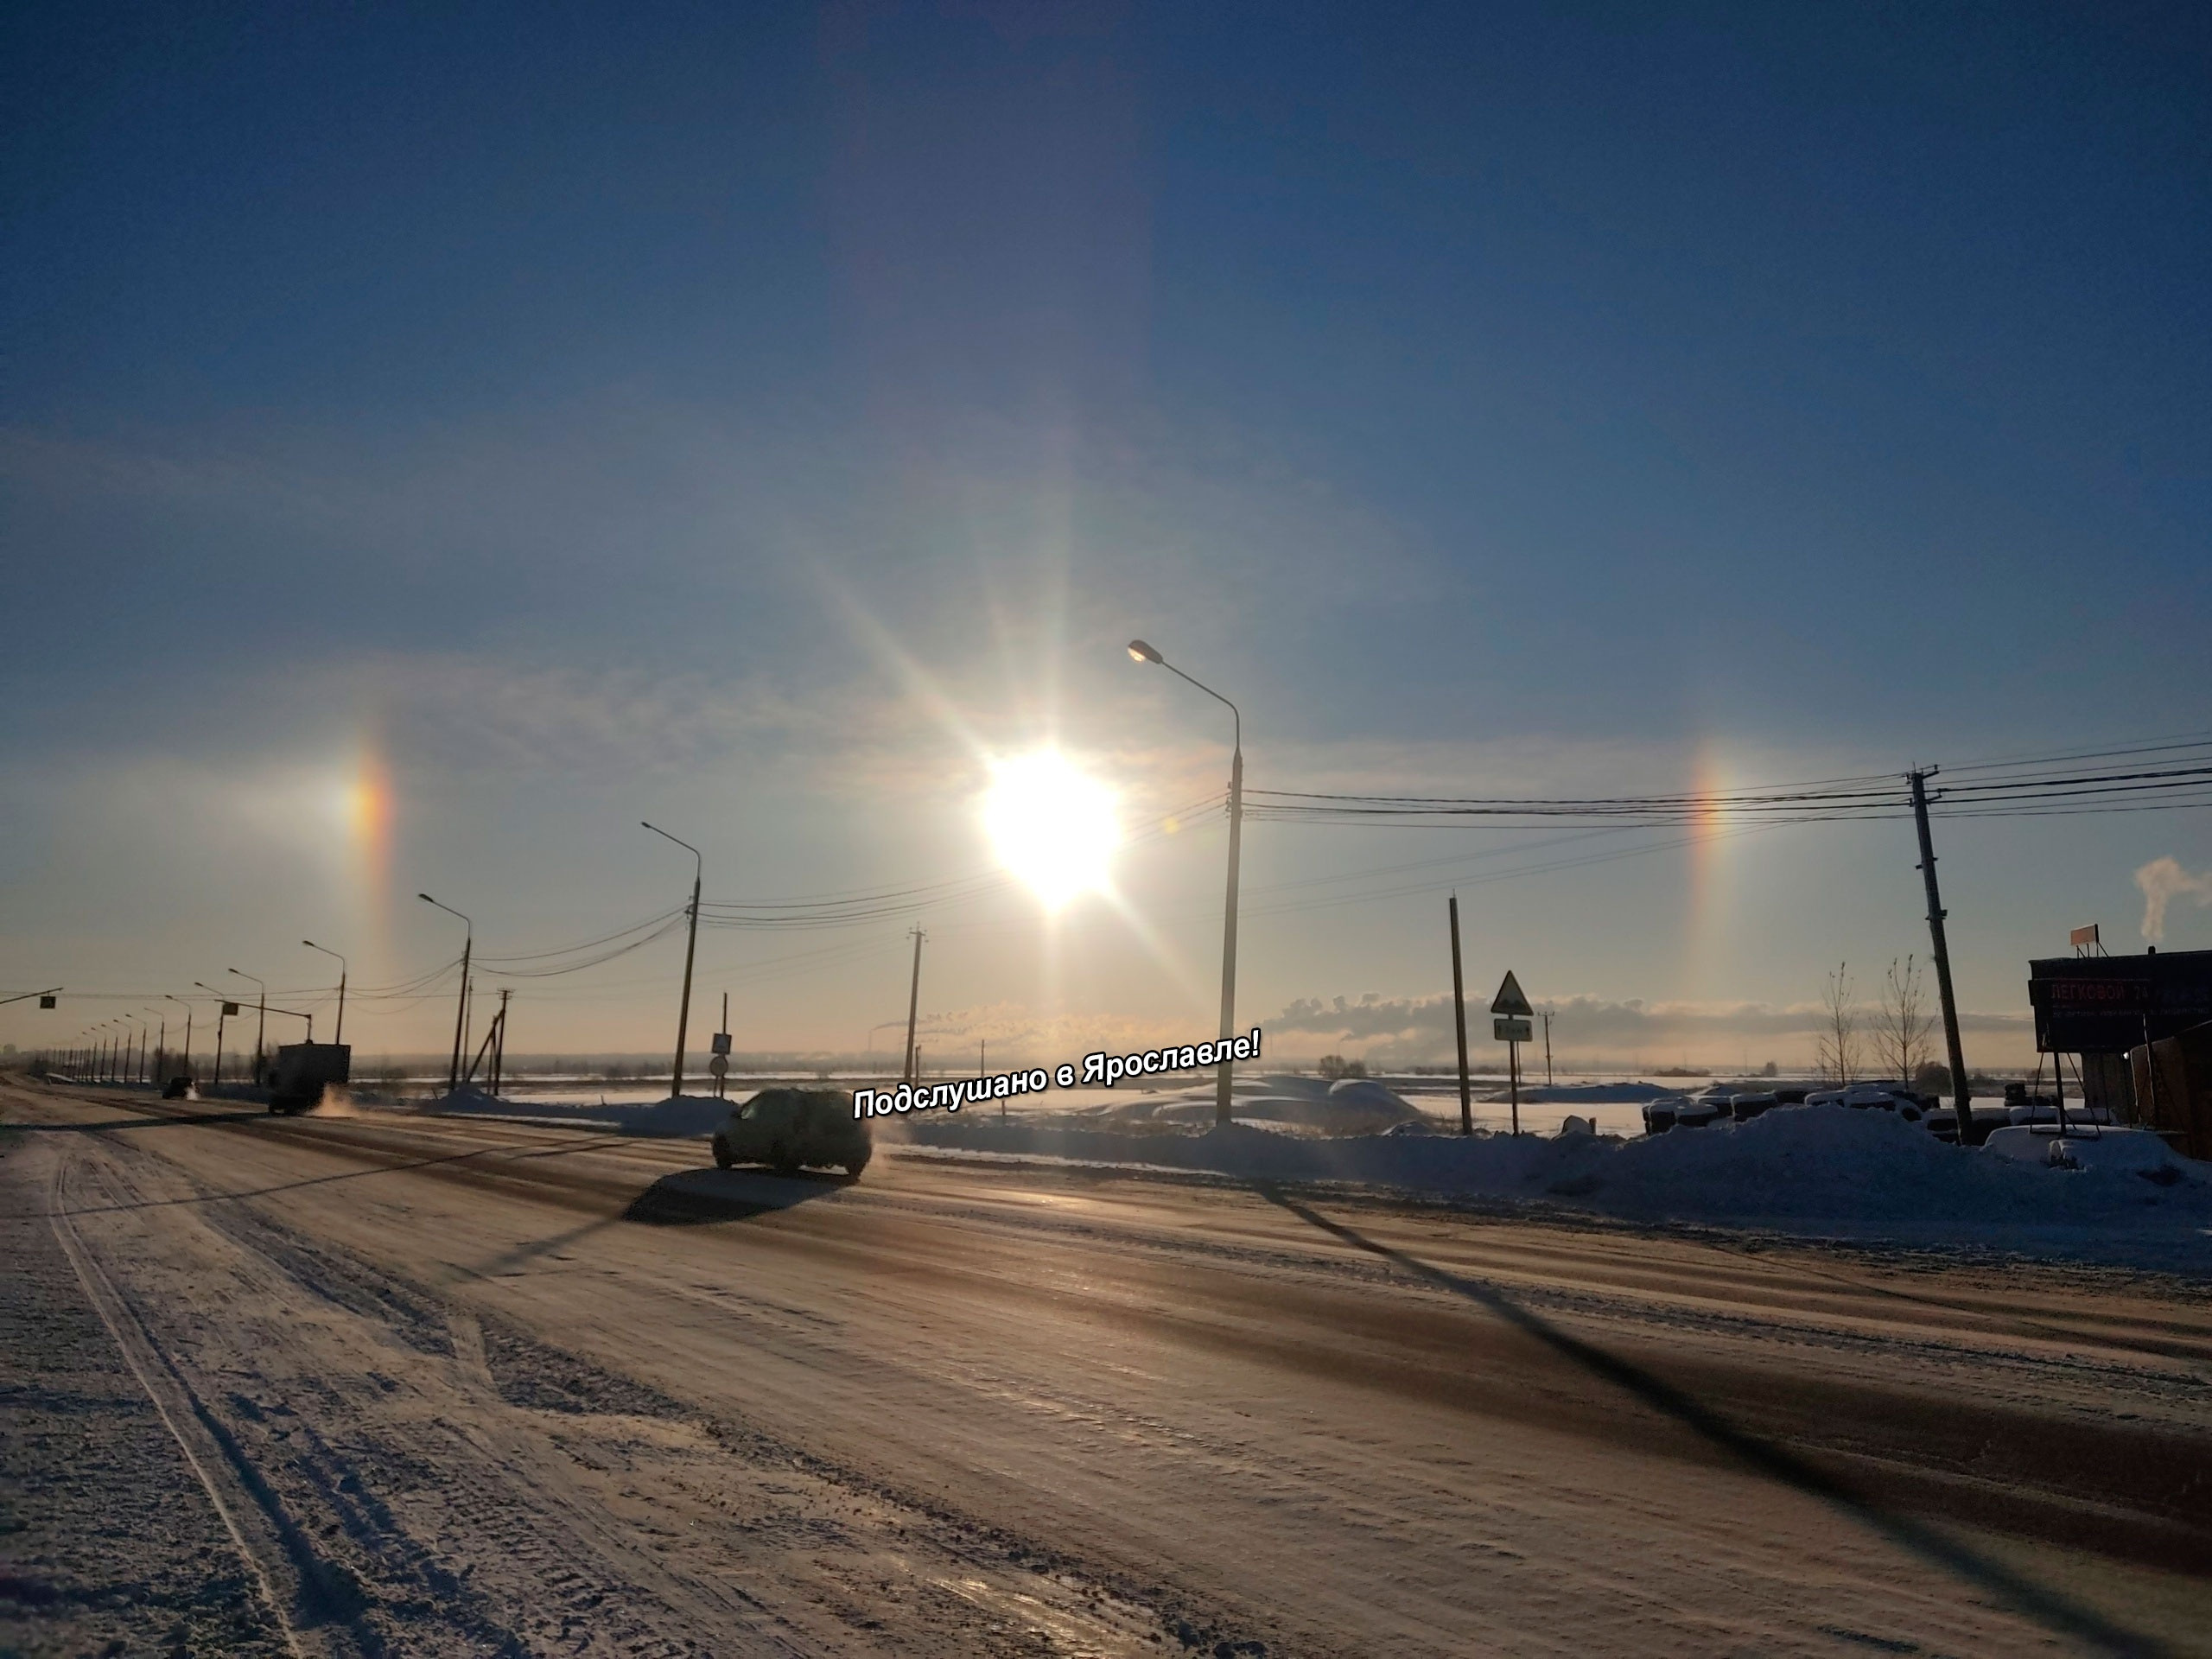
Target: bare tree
point(1903, 1035)
point(1839, 1046)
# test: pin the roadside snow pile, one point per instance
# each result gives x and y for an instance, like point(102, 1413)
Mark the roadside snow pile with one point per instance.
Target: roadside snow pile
point(679, 1115)
point(1800, 1164)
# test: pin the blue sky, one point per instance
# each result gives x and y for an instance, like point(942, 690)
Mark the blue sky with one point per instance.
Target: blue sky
point(748, 419)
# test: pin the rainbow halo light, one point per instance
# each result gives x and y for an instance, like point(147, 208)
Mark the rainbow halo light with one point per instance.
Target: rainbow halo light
point(1051, 826)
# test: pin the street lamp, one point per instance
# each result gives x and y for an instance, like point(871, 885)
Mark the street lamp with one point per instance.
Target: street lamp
point(691, 949)
point(222, 1006)
point(160, 1045)
point(260, 1022)
point(1144, 653)
point(187, 1005)
point(327, 952)
point(461, 1014)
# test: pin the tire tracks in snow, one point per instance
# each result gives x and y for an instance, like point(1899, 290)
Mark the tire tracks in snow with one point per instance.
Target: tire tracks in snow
point(175, 1402)
point(515, 1463)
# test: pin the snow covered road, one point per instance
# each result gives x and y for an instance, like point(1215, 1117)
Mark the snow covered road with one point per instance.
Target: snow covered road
point(435, 1385)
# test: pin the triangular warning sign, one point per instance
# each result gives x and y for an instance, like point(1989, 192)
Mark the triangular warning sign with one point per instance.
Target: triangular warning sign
point(1510, 1000)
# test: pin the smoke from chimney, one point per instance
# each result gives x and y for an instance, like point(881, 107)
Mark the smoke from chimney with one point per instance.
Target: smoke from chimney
point(2164, 880)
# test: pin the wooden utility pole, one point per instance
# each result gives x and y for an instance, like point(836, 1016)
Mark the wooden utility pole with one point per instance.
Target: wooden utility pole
point(1961, 1095)
point(913, 1006)
point(1459, 1019)
point(1548, 1048)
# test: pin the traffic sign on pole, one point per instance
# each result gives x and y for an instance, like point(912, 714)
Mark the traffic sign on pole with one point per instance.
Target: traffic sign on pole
point(1513, 1028)
point(1509, 998)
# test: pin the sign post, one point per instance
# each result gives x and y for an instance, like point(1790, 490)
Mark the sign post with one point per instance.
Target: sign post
point(1512, 1028)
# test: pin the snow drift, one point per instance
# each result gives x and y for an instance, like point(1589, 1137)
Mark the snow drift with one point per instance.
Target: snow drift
point(679, 1115)
point(1845, 1172)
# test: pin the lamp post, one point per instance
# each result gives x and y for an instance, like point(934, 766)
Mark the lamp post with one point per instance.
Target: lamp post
point(222, 1015)
point(260, 1022)
point(340, 1036)
point(691, 949)
point(160, 1045)
point(461, 1014)
point(1144, 653)
point(187, 1005)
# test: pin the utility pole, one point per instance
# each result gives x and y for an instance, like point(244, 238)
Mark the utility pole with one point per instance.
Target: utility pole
point(461, 1013)
point(1459, 1019)
point(460, 1007)
point(499, 1047)
point(166, 997)
point(691, 951)
point(340, 1036)
point(1548, 1048)
point(1960, 1095)
point(913, 1007)
point(260, 1024)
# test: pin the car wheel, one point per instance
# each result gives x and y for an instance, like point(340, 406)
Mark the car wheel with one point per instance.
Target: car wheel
point(781, 1161)
point(853, 1166)
point(723, 1160)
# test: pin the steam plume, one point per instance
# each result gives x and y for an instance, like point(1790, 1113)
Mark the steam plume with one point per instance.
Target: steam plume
point(2162, 880)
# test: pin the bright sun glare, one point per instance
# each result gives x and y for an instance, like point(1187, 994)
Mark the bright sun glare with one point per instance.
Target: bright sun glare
point(1050, 825)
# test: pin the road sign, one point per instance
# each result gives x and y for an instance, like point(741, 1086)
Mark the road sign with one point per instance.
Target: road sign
point(721, 1042)
point(45, 1001)
point(229, 1010)
point(1512, 1031)
point(1509, 1000)
point(719, 1065)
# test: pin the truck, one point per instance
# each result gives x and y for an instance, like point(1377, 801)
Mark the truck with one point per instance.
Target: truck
point(303, 1071)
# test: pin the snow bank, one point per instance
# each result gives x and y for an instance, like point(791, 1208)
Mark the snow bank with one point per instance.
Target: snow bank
point(1839, 1170)
point(677, 1115)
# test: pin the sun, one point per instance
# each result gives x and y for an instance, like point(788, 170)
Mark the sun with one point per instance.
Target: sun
point(1050, 825)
